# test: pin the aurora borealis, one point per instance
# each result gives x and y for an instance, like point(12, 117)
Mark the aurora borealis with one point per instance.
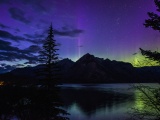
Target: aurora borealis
point(105, 28)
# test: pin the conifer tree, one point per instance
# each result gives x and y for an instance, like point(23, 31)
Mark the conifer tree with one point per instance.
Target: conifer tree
point(49, 57)
point(49, 74)
point(154, 19)
point(154, 23)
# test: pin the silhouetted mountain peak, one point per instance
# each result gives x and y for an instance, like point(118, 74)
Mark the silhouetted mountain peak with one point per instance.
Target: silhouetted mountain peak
point(66, 60)
point(88, 58)
point(66, 63)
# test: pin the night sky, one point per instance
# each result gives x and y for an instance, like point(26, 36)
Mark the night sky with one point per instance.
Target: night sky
point(105, 28)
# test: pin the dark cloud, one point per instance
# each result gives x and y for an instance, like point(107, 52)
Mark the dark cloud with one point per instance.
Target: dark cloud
point(3, 26)
point(71, 33)
point(36, 4)
point(35, 40)
point(29, 36)
point(5, 45)
point(19, 65)
point(31, 62)
point(34, 36)
point(6, 68)
point(17, 30)
point(33, 49)
point(14, 56)
point(10, 66)
point(10, 53)
point(65, 31)
point(7, 35)
point(3, 64)
point(18, 14)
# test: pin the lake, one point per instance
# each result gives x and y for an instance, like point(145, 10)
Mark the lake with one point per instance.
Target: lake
point(82, 101)
point(101, 101)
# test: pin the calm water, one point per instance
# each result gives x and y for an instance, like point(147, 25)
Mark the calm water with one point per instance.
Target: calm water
point(100, 102)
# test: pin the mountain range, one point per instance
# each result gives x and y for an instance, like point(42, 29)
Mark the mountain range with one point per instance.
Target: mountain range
point(88, 69)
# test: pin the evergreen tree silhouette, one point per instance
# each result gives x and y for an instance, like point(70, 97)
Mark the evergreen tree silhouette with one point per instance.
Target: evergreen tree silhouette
point(154, 23)
point(154, 56)
point(49, 58)
point(50, 75)
point(154, 19)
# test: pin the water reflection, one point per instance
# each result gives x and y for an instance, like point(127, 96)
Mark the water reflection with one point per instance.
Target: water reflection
point(95, 103)
point(83, 102)
point(146, 104)
point(139, 100)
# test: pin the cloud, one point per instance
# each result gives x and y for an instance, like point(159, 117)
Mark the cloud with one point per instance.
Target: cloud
point(38, 5)
point(7, 35)
point(17, 30)
point(19, 65)
point(29, 36)
point(6, 68)
point(18, 14)
point(39, 38)
point(64, 31)
point(5, 45)
point(30, 62)
point(11, 53)
point(71, 33)
point(3, 26)
point(33, 49)
point(14, 56)
point(34, 36)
